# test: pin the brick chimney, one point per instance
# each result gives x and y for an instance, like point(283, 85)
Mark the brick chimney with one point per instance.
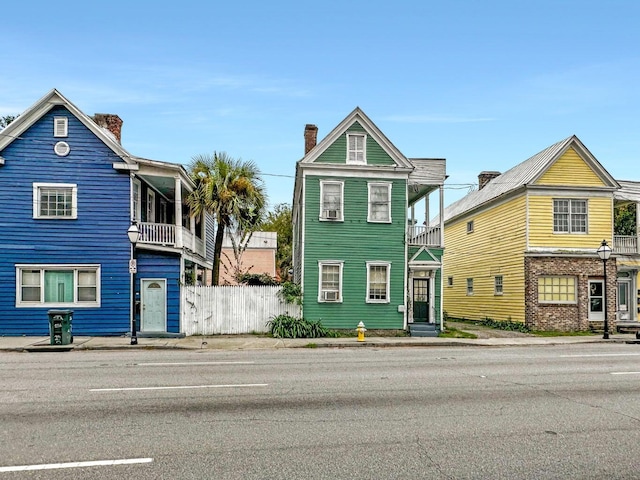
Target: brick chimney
point(310, 137)
point(111, 122)
point(486, 177)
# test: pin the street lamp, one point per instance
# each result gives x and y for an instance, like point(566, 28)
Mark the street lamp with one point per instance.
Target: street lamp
point(604, 252)
point(134, 235)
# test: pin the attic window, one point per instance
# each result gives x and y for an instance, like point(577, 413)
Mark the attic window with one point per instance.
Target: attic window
point(60, 126)
point(356, 151)
point(470, 226)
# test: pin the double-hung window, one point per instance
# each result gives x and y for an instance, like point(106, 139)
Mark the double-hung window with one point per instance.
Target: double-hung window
point(58, 285)
point(356, 148)
point(570, 216)
point(497, 285)
point(330, 281)
point(331, 195)
point(469, 286)
point(55, 200)
point(379, 202)
point(378, 282)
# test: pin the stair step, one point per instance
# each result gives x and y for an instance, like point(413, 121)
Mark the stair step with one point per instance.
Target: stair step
point(423, 330)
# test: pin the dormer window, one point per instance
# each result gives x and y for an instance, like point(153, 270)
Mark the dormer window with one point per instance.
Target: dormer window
point(356, 151)
point(60, 126)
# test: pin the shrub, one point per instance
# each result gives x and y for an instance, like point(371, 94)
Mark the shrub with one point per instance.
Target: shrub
point(286, 326)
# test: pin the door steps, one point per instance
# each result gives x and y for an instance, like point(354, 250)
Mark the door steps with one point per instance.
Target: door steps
point(423, 330)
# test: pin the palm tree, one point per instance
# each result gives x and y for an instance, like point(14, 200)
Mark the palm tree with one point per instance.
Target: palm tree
point(231, 190)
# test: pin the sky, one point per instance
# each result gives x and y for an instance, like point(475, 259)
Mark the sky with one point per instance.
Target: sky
point(484, 84)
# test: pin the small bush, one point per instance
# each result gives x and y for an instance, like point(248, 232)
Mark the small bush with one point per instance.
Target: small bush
point(286, 326)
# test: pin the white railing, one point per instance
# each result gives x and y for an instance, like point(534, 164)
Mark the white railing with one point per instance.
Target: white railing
point(423, 235)
point(228, 310)
point(157, 234)
point(625, 244)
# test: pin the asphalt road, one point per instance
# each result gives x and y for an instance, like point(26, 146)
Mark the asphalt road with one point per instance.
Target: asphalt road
point(437, 413)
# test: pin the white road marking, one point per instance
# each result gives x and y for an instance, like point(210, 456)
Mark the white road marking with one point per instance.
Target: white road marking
point(179, 387)
point(602, 355)
point(625, 373)
point(192, 363)
point(98, 463)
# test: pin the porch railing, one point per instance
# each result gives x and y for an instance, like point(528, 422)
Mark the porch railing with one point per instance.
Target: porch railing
point(165, 235)
point(424, 236)
point(625, 244)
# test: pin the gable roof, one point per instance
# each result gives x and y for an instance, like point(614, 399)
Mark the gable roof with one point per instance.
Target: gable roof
point(357, 115)
point(52, 99)
point(525, 174)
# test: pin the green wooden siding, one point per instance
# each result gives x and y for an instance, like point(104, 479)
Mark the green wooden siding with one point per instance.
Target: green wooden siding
point(337, 152)
point(355, 242)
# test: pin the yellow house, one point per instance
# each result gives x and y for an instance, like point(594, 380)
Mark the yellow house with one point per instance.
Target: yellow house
point(523, 247)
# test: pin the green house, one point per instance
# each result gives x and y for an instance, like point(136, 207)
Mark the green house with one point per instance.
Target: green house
point(359, 252)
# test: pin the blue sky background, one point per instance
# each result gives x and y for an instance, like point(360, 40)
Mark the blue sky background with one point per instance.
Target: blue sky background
point(484, 84)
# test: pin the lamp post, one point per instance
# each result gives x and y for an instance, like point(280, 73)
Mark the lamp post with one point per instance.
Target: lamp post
point(134, 234)
point(604, 252)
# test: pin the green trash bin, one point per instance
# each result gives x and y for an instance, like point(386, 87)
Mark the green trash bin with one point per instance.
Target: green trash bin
point(60, 327)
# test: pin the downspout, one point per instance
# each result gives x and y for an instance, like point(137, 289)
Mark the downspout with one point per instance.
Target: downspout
point(442, 258)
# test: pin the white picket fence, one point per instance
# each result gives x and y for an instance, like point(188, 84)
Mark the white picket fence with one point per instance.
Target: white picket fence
point(231, 309)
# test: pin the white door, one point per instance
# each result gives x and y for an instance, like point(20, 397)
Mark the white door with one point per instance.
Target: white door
point(154, 306)
point(624, 286)
point(596, 300)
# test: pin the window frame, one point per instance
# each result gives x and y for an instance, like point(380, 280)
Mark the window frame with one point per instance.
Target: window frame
point(498, 285)
point(323, 216)
point(570, 216)
point(370, 186)
point(469, 286)
point(321, 290)
point(77, 269)
point(470, 226)
point(37, 203)
point(542, 285)
point(60, 127)
point(387, 291)
point(357, 152)
point(450, 281)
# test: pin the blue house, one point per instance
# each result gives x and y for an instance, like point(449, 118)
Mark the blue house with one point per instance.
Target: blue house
point(70, 192)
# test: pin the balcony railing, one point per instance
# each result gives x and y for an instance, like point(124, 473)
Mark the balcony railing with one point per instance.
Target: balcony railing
point(424, 236)
point(165, 235)
point(625, 244)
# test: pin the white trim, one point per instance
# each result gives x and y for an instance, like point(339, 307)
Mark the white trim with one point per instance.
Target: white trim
point(151, 206)
point(136, 209)
point(75, 268)
point(355, 171)
point(388, 282)
point(389, 186)
point(74, 200)
point(321, 292)
point(324, 214)
point(60, 127)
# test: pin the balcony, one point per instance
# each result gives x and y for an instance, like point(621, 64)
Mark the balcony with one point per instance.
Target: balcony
point(424, 236)
point(166, 235)
point(626, 244)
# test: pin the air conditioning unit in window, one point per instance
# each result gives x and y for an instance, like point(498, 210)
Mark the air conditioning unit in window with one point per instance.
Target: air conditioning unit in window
point(331, 214)
point(330, 296)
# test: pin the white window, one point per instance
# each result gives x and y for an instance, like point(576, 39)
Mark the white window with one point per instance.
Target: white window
point(379, 202)
point(378, 282)
point(570, 216)
point(136, 206)
point(356, 151)
point(556, 289)
point(469, 286)
point(331, 194)
point(330, 282)
point(497, 285)
point(58, 285)
point(151, 206)
point(55, 200)
point(60, 126)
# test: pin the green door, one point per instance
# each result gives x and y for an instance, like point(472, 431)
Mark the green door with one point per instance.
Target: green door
point(420, 300)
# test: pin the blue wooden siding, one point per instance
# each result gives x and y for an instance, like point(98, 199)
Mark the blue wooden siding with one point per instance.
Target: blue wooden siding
point(97, 236)
point(153, 266)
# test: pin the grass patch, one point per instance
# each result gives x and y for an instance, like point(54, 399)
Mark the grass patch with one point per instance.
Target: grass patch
point(455, 333)
point(311, 345)
point(556, 333)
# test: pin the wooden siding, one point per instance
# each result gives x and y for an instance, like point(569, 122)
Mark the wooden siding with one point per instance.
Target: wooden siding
point(495, 247)
point(97, 236)
point(570, 170)
point(337, 152)
point(354, 241)
point(600, 221)
point(152, 266)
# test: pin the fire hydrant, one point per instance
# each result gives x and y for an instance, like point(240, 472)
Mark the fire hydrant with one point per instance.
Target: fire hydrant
point(361, 331)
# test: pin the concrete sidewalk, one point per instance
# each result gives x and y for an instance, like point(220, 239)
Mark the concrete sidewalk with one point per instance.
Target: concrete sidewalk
point(248, 342)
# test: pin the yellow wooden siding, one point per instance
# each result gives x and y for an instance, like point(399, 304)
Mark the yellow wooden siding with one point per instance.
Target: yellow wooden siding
point(599, 226)
point(570, 170)
point(496, 247)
